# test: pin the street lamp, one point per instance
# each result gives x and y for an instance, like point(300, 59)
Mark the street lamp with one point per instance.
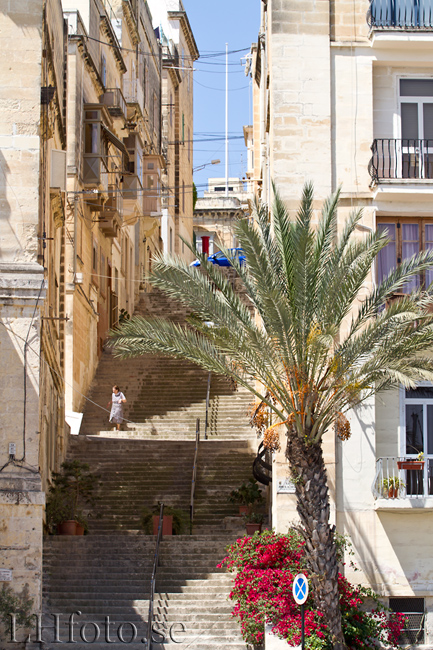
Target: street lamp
point(200, 167)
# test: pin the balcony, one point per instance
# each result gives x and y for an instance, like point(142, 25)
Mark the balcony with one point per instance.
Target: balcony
point(110, 219)
point(95, 178)
point(401, 160)
point(403, 483)
point(132, 198)
point(114, 100)
point(133, 92)
point(407, 15)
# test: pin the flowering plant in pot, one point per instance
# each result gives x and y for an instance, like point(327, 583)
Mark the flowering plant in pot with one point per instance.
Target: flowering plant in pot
point(246, 496)
point(412, 463)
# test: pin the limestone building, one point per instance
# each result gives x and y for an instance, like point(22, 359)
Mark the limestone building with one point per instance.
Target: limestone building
point(179, 51)
point(343, 96)
point(114, 161)
point(33, 145)
point(82, 163)
point(215, 214)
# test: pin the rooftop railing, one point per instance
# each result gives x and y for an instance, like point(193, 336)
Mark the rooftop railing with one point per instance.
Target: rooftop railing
point(401, 14)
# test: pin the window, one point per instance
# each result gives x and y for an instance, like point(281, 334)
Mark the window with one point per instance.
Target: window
point(183, 128)
point(171, 240)
point(183, 197)
point(102, 278)
point(171, 109)
point(408, 236)
point(104, 69)
point(413, 609)
point(417, 438)
point(95, 149)
point(416, 112)
point(94, 261)
point(145, 83)
point(155, 113)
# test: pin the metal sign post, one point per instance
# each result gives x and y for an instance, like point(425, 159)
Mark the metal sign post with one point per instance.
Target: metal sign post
point(300, 594)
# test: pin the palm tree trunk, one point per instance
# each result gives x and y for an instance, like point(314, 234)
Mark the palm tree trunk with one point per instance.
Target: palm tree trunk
point(308, 470)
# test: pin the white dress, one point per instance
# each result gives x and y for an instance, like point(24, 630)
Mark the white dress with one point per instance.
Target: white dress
point(116, 413)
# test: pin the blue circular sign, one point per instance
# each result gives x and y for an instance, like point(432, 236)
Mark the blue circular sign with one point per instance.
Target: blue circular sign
point(300, 589)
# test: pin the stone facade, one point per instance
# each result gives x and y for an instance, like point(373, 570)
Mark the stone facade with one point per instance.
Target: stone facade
point(178, 55)
point(339, 89)
point(32, 217)
point(81, 162)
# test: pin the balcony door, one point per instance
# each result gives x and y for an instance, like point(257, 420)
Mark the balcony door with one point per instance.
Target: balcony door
point(418, 438)
point(407, 236)
point(416, 113)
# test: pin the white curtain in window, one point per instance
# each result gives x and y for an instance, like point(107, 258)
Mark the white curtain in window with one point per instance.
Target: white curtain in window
point(410, 247)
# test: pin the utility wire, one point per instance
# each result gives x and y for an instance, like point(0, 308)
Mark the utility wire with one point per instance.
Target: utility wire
point(154, 55)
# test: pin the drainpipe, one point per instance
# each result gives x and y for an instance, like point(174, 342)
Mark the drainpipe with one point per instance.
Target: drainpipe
point(263, 112)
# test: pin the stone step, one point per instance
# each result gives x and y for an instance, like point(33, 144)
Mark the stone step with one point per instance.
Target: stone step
point(108, 571)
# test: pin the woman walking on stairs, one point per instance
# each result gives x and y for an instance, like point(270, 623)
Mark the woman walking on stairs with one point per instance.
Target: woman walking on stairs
point(117, 401)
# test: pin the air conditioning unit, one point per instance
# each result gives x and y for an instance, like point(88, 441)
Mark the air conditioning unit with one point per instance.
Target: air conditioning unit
point(78, 278)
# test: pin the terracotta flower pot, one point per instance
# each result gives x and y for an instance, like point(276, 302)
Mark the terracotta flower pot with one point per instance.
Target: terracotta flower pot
point(244, 510)
point(167, 524)
point(79, 530)
point(410, 464)
point(67, 527)
point(253, 528)
point(393, 493)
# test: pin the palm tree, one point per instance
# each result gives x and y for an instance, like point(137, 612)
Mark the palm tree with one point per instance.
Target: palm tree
point(301, 283)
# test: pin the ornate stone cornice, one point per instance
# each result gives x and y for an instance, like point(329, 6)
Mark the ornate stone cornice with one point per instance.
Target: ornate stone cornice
point(131, 23)
point(182, 17)
point(111, 36)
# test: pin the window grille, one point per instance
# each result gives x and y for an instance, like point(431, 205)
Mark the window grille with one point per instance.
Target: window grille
point(413, 610)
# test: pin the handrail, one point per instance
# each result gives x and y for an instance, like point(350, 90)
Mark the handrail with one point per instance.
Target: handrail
point(262, 470)
point(153, 579)
point(194, 476)
point(206, 422)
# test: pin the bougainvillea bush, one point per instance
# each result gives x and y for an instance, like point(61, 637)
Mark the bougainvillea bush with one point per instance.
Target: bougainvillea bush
point(265, 566)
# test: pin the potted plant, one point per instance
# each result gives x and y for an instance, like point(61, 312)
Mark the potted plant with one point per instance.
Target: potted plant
point(70, 489)
point(391, 486)
point(412, 464)
point(246, 496)
point(175, 520)
point(253, 522)
point(82, 527)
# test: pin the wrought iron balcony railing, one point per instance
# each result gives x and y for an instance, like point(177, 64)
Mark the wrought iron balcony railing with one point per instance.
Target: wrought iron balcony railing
point(403, 478)
point(401, 159)
point(400, 14)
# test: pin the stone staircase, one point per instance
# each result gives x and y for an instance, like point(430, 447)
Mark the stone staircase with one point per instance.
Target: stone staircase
point(107, 573)
point(165, 396)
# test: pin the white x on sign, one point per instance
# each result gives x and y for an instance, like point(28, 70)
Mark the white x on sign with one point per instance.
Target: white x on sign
point(300, 589)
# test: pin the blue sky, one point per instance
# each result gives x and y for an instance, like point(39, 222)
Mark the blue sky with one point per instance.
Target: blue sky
point(214, 24)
